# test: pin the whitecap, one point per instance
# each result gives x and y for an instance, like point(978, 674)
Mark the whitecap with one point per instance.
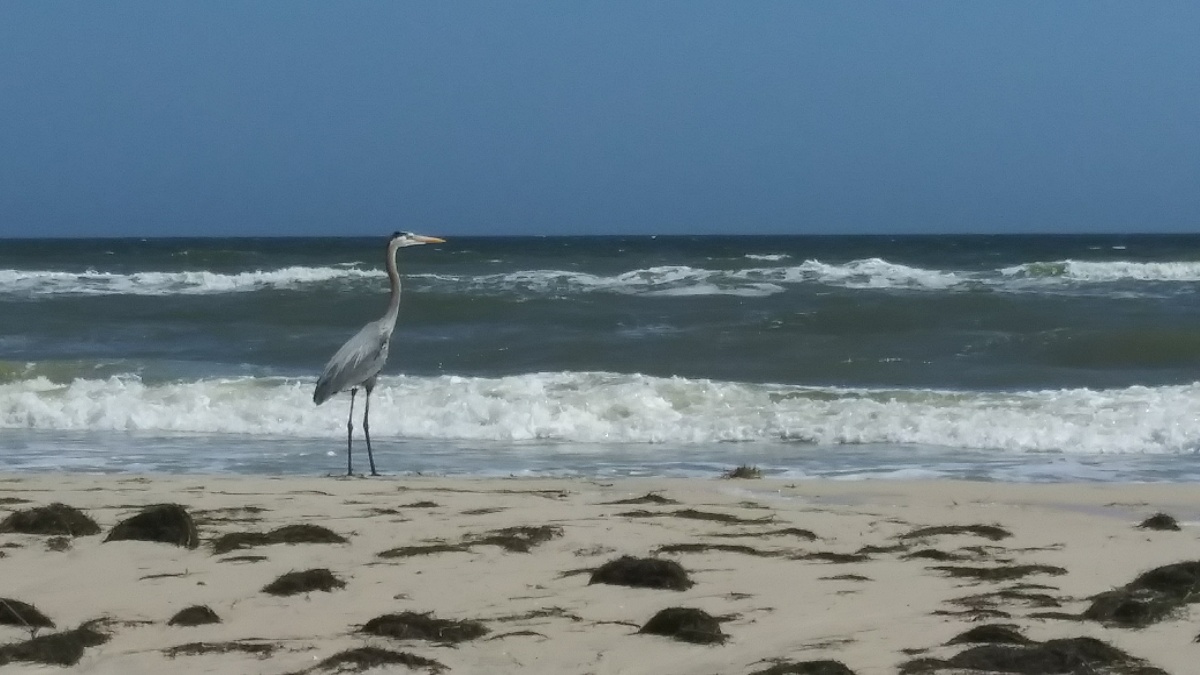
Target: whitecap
point(92, 282)
point(598, 407)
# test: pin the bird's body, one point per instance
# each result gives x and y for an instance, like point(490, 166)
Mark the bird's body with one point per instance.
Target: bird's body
point(358, 362)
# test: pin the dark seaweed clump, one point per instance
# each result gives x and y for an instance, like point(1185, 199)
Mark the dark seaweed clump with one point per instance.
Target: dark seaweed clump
point(786, 531)
point(1007, 596)
point(519, 539)
point(845, 577)
point(642, 573)
point(834, 557)
point(417, 626)
point(23, 614)
point(56, 519)
point(1149, 598)
point(992, 633)
point(743, 471)
point(992, 532)
point(694, 547)
point(424, 504)
point(686, 624)
point(319, 579)
point(364, 658)
point(822, 667)
point(426, 549)
point(1160, 521)
point(288, 534)
point(933, 554)
point(1069, 656)
point(196, 615)
point(694, 514)
point(244, 558)
point(872, 549)
point(1000, 573)
point(260, 649)
point(166, 523)
point(56, 649)
point(648, 498)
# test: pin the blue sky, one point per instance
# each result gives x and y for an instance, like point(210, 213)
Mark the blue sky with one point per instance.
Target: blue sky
point(327, 118)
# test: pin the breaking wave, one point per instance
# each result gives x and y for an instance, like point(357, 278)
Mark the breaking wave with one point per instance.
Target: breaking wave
point(664, 280)
point(599, 407)
point(47, 282)
point(1101, 272)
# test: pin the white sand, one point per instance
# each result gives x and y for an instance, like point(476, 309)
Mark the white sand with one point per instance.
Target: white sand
point(542, 614)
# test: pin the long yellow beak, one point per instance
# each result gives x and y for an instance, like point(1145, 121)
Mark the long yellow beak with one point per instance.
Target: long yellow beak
point(428, 240)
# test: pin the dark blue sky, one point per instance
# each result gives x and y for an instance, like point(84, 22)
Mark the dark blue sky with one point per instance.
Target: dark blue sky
point(325, 118)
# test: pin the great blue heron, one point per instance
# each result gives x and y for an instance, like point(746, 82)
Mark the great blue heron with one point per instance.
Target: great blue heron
point(358, 362)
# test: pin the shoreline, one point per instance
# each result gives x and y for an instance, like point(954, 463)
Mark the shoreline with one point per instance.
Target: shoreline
point(855, 593)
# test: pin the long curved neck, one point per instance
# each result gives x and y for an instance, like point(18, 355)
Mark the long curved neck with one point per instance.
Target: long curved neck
point(393, 309)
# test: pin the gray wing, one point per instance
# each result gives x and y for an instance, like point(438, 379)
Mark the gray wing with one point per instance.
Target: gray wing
point(361, 358)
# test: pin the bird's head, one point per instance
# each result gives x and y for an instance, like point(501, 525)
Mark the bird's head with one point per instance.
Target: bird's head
point(402, 239)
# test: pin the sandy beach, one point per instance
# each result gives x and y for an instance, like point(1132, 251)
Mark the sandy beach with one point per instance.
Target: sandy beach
point(788, 572)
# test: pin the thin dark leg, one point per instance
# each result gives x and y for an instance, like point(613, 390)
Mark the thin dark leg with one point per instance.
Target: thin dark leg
point(350, 433)
point(367, 429)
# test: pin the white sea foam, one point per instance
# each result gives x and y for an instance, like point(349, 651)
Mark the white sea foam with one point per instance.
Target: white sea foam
point(664, 280)
point(679, 280)
point(589, 408)
point(866, 273)
point(169, 283)
point(1102, 272)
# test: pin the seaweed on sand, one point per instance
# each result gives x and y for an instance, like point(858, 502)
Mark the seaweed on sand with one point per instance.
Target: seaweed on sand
point(992, 633)
point(933, 554)
point(288, 534)
point(694, 514)
point(1151, 597)
point(306, 581)
point(64, 648)
point(696, 547)
point(166, 523)
point(519, 539)
point(686, 624)
point(648, 498)
point(1160, 521)
point(55, 519)
point(821, 667)
point(799, 532)
point(196, 615)
point(260, 649)
point(642, 573)
point(999, 573)
point(423, 549)
point(834, 557)
point(1066, 656)
point(424, 626)
point(365, 658)
point(992, 532)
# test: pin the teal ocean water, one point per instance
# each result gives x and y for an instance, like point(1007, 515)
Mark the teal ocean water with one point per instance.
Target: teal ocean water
point(1023, 358)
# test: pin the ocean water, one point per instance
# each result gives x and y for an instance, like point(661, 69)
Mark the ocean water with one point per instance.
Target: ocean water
point(1022, 358)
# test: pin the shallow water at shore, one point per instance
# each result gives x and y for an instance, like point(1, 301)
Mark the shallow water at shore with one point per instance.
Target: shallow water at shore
point(143, 453)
